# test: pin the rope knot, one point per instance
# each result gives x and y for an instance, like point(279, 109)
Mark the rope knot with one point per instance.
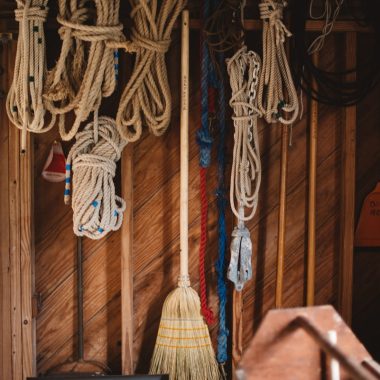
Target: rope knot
point(75, 27)
point(204, 141)
point(31, 13)
point(155, 45)
point(272, 11)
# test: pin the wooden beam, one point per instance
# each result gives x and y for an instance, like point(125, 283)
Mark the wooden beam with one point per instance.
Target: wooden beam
point(281, 242)
point(347, 212)
point(17, 260)
point(313, 137)
point(26, 223)
point(5, 285)
point(237, 330)
point(127, 263)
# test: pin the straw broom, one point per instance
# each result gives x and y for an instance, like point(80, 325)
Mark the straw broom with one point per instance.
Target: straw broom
point(183, 346)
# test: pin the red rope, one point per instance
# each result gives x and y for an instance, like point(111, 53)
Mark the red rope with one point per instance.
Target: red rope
point(206, 311)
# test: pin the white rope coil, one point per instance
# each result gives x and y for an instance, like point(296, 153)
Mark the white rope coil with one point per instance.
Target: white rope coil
point(146, 99)
point(276, 95)
point(97, 209)
point(85, 70)
point(25, 103)
point(243, 69)
point(330, 14)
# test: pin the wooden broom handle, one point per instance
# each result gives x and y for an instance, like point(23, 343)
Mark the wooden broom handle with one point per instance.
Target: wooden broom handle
point(184, 186)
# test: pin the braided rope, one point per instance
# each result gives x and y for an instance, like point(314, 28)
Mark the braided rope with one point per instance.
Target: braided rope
point(204, 140)
point(276, 83)
point(243, 70)
point(85, 70)
point(222, 234)
point(146, 99)
point(25, 105)
point(97, 209)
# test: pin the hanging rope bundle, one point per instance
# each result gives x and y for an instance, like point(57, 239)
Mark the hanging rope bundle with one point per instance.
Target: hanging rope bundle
point(276, 95)
point(146, 99)
point(329, 14)
point(332, 87)
point(91, 166)
point(224, 29)
point(85, 70)
point(204, 140)
point(25, 104)
point(243, 69)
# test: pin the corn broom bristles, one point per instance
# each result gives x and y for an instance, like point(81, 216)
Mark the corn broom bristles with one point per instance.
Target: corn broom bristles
point(183, 346)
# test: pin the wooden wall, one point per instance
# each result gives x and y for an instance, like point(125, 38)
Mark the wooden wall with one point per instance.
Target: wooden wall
point(156, 232)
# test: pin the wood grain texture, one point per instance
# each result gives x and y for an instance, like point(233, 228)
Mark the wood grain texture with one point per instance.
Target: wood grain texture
point(127, 324)
point(348, 191)
point(155, 247)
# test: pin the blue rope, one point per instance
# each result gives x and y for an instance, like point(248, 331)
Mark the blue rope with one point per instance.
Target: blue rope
point(204, 138)
point(222, 234)
point(220, 264)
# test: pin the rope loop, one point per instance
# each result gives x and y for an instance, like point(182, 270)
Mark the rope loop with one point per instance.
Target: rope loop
point(85, 71)
point(277, 97)
point(26, 107)
point(146, 99)
point(33, 13)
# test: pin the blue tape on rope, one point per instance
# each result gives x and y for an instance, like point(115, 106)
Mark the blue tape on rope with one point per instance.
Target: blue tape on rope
point(115, 213)
point(67, 192)
point(67, 179)
point(100, 230)
point(94, 203)
point(68, 167)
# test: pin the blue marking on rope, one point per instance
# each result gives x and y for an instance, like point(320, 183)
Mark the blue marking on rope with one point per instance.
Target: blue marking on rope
point(67, 192)
point(68, 167)
point(67, 179)
point(115, 213)
point(100, 229)
point(94, 203)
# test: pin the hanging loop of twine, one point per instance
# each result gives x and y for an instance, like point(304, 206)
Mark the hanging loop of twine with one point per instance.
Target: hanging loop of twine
point(25, 105)
point(243, 69)
point(85, 70)
point(146, 99)
point(90, 170)
point(277, 97)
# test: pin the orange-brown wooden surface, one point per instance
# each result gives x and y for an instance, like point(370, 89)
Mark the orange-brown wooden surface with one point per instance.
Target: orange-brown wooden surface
point(156, 230)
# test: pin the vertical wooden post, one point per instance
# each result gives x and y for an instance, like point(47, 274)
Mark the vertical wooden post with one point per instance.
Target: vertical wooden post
point(237, 330)
point(313, 126)
point(282, 216)
point(347, 193)
point(16, 241)
point(127, 263)
point(5, 264)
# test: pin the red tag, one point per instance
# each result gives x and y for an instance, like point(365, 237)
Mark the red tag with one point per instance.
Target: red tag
point(55, 166)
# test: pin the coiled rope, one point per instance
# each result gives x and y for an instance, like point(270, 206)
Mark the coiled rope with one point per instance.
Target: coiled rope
point(243, 69)
point(146, 99)
point(85, 71)
point(25, 104)
point(330, 14)
point(276, 95)
point(91, 166)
